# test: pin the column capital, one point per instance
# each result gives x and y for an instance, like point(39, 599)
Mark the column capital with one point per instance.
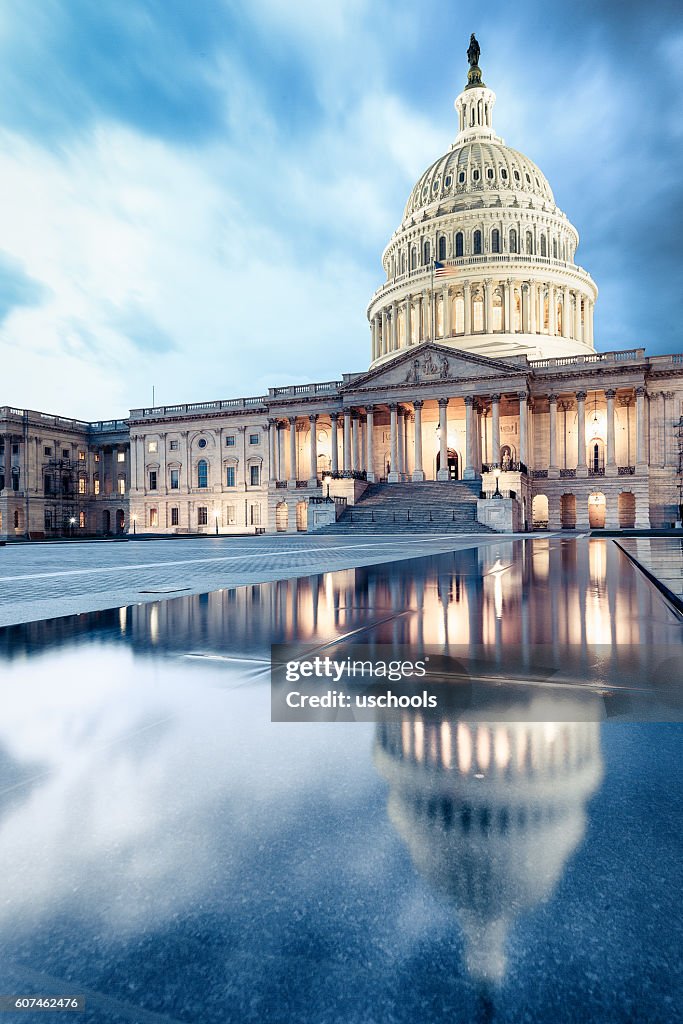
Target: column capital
point(469, 400)
point(640, 392)
point(418, 403)
point(610, 393)
point(369, 410)
point(552, 398)
point(313, 418)
point(391, 406)
point(334, 416)
point(291, 419)
point(272, 421)
point(443, 402)
point(522, 396)
point(495, 398)
point(354, 414)
point(581, 396)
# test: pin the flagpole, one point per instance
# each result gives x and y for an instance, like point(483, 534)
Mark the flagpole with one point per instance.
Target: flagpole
point(433, 304)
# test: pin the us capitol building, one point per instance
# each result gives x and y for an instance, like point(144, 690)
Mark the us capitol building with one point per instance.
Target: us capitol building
point(483, 376)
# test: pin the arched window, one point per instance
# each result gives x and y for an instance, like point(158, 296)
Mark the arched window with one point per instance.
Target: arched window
point(413, 258)
point(16, 519)
point(554, 248)
point(495, 240)
point(15, 478)
point(459, 318)
point(543, 246)
point(476, 243)
point(202, 473)
point(513, 240)
point(497, 311)
point(518, 311)
point(529, 242)
point(459, 244)
point(442, 247)
point(426, 253)
point(478, 312)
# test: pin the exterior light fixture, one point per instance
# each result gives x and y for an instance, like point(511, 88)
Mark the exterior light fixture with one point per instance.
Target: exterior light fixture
point(216, 516)
point(328, 480)
point(135, 519)
point(497, 493)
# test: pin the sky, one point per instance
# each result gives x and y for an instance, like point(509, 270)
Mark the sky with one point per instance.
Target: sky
point(195, 194)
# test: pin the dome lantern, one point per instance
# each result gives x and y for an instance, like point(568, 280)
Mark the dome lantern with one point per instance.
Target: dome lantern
point(475, 103)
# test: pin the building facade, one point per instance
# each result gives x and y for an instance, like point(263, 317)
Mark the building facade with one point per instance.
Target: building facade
point(483, 367)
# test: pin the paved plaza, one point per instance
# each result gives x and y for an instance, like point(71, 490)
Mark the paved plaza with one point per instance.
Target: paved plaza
point(40, 581)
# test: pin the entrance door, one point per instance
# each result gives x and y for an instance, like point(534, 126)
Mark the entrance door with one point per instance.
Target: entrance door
point(453, 464)
point(120, 521)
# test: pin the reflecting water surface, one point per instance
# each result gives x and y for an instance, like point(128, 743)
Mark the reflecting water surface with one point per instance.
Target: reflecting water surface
point(168, 851)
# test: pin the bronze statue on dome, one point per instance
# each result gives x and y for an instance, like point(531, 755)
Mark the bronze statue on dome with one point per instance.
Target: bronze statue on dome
point(473, 51)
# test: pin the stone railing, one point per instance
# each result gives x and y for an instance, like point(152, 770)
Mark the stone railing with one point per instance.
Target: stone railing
point(347, 474)
point(567, 474)
point(158, 411)
point(510, 467)
point(627, 355)
point(596, 470)
point(329, 387)
point(626, 470)
point(46, 419)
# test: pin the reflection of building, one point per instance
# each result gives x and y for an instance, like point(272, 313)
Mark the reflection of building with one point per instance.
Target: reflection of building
point(491, 814)
point(486, 361)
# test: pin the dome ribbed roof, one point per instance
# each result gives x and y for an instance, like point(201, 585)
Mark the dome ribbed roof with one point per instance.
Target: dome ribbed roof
point(478, 168)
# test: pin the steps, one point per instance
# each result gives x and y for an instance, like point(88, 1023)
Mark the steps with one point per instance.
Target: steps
point(414, 508)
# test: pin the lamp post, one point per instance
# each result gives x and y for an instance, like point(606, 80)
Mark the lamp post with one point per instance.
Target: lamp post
point(216, 516)
point(328, 481)
point(72, 523)
point(496, 493)
point(135, 519)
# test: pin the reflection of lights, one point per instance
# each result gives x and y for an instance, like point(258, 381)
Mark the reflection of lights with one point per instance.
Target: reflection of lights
point(464, 748)
point(446, 744)
point(501, 747)
point(122, 621)
point(405, 737)
point(154, 623)
point(419, 733)
point(483, 748)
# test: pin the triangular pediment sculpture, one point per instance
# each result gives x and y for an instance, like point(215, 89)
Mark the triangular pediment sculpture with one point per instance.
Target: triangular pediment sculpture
point(431, 363)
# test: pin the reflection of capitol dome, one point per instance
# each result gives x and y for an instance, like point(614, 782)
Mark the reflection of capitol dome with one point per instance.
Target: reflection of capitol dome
point(487, 214)
point(490, 813)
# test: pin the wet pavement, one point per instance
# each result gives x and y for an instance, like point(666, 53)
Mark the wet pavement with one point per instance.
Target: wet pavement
point(170, 853)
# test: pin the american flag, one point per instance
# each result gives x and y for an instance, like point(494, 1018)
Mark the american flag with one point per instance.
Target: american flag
point(441, 270)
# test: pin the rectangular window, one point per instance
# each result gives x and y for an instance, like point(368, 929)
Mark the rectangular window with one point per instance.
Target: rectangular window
point(175, 516)
point(66, 452)
point(81, 520)
point(154, 517)
point(81, 485)
point(230, 476)
point(173, 445)
point(96, 484)
point(230, 441)
point(153, 446)
point(97, 456)
point(254, 438)
point(202, 515)
point(122, 485)
point(81, 456)
point(175, 479)
point(47, 451)
point(230, 515)
point(152, 479)
point(255, 515)
point(255, 475)
point(120, 456)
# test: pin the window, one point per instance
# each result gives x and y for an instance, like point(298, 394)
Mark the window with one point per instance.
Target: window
point(554, 248)
point(442, 248)
point(529, 242)
point(154, 517)
point(413, 258)
point(489, 174)
point(516, 175)
point(122, 485)
point(495, 240)
point(121, 456)
point(15, 479)
point(81, 456)
point(175, 479)
point(230, 515)
point(97, 456)
point(543, 246)
point(47, 451)
point(202, 515)
point(96, 484)
point(503, 174)
point(426, 254)
point(254, 439)
point(230, 441)
point(475, 174)
point(152, 479)
point(476, 243)
point(448, 181)
point(461, 177)
point(66, 452)
point(81, 485)
point(255, 475)
point(527, 177)
point(255, 515)
point(435, 185)
point(81, 520)
point(16, 519)
point(2, 482)
point(202, 473)
point(173, 446)
point(201, 443)
point(175, 516)
point(153, 446)
point(513, 240)
point(459, 244)
point(230, 476)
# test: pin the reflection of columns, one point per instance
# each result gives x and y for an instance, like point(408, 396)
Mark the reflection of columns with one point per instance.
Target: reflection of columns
point(522, 426)
point(641, 451)
point(369, 454)
point(581, 466)
point(347, 440)
point(292, 451)
point(467, 297)
point(495, 430)
point(553, 468)
point(418, 472)
point(313, 478)
point(469, 472)
point(272, 424)
point(393, 474)
point(442, 473)
point(611, 467)
point(354, 441)
point(335, 442)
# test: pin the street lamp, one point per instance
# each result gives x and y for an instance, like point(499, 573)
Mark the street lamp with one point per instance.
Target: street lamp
point(328, 480)
point(216, 517)
point(72, 523)
point(135, 519)
point(496, 493)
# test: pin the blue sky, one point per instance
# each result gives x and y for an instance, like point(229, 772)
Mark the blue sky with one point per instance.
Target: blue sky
point(195, 193)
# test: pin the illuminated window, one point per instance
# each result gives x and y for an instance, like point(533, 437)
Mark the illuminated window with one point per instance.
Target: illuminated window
point(81, 520)
point(97, 456)
point(81, 456)
point(230, 515)
point(154, 517)
point(121, 456)
point(202, 515)
point(81, 485)
point(459, 315)
point(153, 446)
point(255, 515)
point(497, 312)
point(96, 484)
point(122, 485)
point(478, 309)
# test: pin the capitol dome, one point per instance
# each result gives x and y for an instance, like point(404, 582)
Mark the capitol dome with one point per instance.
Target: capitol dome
point(483, 260)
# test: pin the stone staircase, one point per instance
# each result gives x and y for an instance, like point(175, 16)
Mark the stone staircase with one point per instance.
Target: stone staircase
point(430, 507)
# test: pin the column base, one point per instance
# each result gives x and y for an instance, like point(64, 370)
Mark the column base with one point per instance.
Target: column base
point(442, 474)
point(582, 471)
point(611, 469)
point(291, 484)
point(469, 473)
point(418, 476)
point(370, 477)
point(313, 481)
point(553, 472)
point(393, 478)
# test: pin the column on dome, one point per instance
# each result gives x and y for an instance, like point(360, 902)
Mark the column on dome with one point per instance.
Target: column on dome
point(641, 448)
point(611, 466)
point(469, 472)
point(488, 306)
point(354, 441)
point(292, 452)
point(467, 303)
point(384, 340)
point(373, 336)
point(393, 473)
point(525, 307)
point(566, 308)
point(552, 311)
point(313, 469)
point(347, 440)
point(509, 325)
point(533, 307)
point(442, 473)
point(495, 430)
point(334, 420)
point(418, 472)
point(447, 328)
point(369, 439)
point(407, 323)
point(394, 327)
point(553, 468)
point(581, 465)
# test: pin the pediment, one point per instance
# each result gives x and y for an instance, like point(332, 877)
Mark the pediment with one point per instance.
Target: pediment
point(431, 363)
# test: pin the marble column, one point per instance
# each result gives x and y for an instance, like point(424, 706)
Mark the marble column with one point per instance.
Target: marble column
point(495, 430)
point(334, 419)
point(354, 441)
point(401, 447)
point(641, 448)
point(469, 472)
point(384, 347)
point(272, 426)
point(447, 330)
point(407, 324)
point(533, 301)
point(488, 306)
point(509, 308)
point(347, 440)
point(418, 472)
point(393, 476)
point(313, 477)
point(566, 309)
point(292, 452)
point(467, 301)
point(611, 467)
point(373, 334)
point(369, 441)
point(581, 465)
point(442, 473)
point(552, 310)
point(394, 327)
point(553, 467)
point(523, 424)
point(577, 316)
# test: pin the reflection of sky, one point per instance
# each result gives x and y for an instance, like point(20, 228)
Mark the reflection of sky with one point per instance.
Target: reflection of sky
point(159, 834)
